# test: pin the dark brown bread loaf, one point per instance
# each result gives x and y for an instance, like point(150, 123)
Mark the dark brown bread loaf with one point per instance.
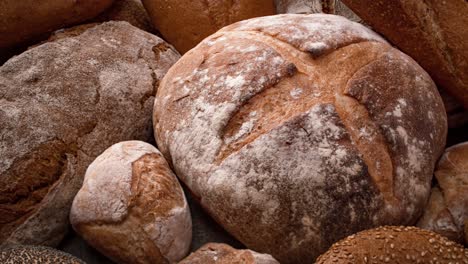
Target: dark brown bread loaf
point(217, 253)
point(27, 19)
point(185, 23)
point(447, 210)
point(433, 32)
point(132, 208)
point(61, 104)
point(295, 131)
point(395, 244)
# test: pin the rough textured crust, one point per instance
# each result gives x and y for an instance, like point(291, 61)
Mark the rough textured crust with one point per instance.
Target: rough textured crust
point(131, 11)
point(295, 131)
point(26, 19)
point(35, 255)
point(132, 208)
point(447, 210)
point(61, 105)
point(335, 7)
point(216, 253)
point(433, 32)
point(395, 244)
point(185, 23)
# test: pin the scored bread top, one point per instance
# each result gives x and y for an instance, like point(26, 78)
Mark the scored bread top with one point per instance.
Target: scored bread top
point(284, 119)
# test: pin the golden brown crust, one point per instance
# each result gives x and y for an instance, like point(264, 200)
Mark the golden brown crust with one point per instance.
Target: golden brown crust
point(393, 244)
point(433, 32)
point(27, 19)
point(295, 131)
point(184, 24)
point(131, 206)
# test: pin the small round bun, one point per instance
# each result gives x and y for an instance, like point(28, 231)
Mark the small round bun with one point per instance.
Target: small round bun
point(393, 244)
point(218, 253)
point(132, 208)
point(22, 254)
point(447, 210)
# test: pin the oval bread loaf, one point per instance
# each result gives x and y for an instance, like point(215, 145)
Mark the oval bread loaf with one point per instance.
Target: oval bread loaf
point(20, 254)
point(294, 131)
point(185, 23)
point(61, 104)
point(132, 208)
point(27, 19)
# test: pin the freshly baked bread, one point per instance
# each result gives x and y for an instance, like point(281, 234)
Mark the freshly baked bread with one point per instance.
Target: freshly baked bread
point(217, 253)
point(447, 210)
point(295, 131)
point(61, 104)
point(20, 254)
point(185, 23)
point(131, 11)
point(433, 32)
point(132, 208)
point(395, 244)
point(27, 19)
point(335, 7)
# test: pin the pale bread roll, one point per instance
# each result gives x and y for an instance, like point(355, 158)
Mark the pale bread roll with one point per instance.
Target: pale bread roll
point(132, 208)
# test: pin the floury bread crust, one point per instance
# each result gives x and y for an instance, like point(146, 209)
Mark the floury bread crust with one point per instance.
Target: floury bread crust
point(217, 253)
point(132, 208)
point(61, 104)
point(295, 131)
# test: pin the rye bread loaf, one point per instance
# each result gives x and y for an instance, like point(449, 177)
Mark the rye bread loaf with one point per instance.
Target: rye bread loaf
point(295, 131)
point(61, 104)
point(447, 210)
point(395, 244)
point(217, 253)
point(132, 208)
point(26, 19)
point(433, 32)
point(185, 23)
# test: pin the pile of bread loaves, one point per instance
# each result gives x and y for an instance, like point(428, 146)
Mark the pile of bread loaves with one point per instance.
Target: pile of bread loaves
point(298, 129)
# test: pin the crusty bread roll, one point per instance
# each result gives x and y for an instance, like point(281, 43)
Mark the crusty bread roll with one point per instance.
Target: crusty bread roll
point(295, 131)
point(395, 244)
point(217, 253)
point(132, 208)
point(185, 23)
point(63, 103)
point(433, 32)
point(20, 254)
point(447, 210)
point(27, 19)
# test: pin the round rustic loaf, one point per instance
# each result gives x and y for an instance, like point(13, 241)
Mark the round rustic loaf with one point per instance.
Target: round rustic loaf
point(185, 23)
point(61, 104)
point(35, 255)
point(447, 210)
point(393, 244)
point(433, 32)
point(132, 208)
point(295, 131)
point(217, 253)
point(27, 19)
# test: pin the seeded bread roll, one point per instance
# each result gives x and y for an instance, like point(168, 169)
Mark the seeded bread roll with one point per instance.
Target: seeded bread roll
point(217, 253)
point(27, 19)
point(185, 23)
point(433, 32)
point(295, 131)
point(132, 208)
point(20, 254)
point(447, 210)
point(392, 244)
point(61, 104)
